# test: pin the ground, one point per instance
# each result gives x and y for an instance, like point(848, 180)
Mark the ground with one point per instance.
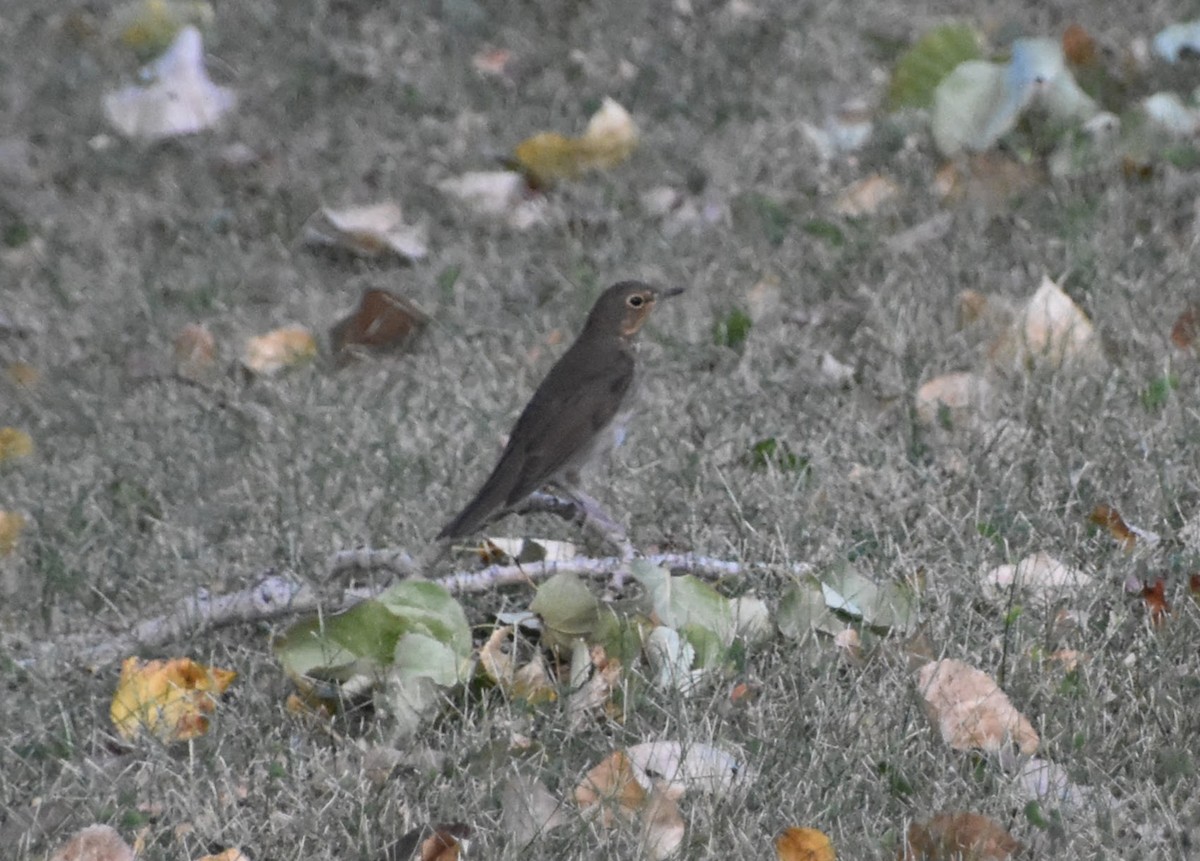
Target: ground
point(143, 489)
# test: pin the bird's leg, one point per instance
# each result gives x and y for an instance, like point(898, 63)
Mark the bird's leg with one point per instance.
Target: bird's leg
point(574, 505)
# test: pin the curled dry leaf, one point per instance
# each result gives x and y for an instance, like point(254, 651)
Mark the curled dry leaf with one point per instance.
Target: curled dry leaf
point(95, 843)
point(445, 842)
point(1039, 577)
point(1124, 534)
point(278, 349)
point(14, 444)
point(11, 525)
point(989, 180)
point(1049, 330)
point(492, 62)
point(804, 844)
point(179, 100)
point(170, 699)
point(1078, 46)
point(866, 196)
point(195, 351)
point(500, 194)
point(959, 837)
point(609, 139)
point(662, 824)
point(527, 809)
point(594, 678)
point(952, 396)
point(970, 710)
point(382, 322)
point(367, 231)
point(530, 681)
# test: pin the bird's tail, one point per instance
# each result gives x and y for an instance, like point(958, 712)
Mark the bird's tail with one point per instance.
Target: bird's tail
point(488, 501)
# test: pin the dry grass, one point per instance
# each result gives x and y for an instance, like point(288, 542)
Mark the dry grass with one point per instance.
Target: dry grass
point(142, 490)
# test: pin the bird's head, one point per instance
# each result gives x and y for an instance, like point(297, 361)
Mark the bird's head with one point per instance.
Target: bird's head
point(623, 308)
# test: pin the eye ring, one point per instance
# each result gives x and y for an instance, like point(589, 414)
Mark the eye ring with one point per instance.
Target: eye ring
point(637, 300)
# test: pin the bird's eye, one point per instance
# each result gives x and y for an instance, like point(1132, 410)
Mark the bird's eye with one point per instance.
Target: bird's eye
point(636, 301)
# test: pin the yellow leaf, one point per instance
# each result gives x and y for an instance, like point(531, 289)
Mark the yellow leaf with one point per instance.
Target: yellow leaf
point(804, 844)
point(11, 524)
point(23, 374)
point(609, 139)
point(171, 699)
point(149, 26)
point(95, 843)
point(14, 443)
point(270, 353)
point(970, 710)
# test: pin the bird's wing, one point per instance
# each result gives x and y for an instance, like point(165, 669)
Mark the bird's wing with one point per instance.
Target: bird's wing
point(578, 399)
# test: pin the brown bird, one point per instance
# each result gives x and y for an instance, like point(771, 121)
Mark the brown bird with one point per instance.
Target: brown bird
point(579, 411)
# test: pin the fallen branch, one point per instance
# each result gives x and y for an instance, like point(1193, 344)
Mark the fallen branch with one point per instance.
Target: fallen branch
point(278, 594)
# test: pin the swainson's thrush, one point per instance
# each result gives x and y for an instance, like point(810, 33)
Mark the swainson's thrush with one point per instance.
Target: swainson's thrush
point(577, 413)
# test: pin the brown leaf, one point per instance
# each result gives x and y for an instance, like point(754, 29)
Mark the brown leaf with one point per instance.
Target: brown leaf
point(382, 322)
point(959, 837)
point(866, 196)
point(1078, 46)
point(1183, 333)
point(611, 790)
point(1156, 602)
point(195, 351)
point(367, 231)
point(446, 842)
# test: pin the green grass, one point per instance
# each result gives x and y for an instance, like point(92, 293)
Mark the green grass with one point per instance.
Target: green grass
point(143, 490)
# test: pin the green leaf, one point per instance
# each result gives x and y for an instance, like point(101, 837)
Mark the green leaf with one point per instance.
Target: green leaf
point(920, 69)
point(733, 331)
point(770, 452)
point(568, 609)
point(1156, 395)
point(802, 610)
point(828, 231)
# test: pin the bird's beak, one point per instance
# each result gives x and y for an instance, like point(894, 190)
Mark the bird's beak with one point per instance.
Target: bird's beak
point(671, 291)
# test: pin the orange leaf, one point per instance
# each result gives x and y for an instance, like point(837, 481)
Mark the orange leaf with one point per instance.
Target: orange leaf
point(23, 374)
point(804, 844)
point(955, 836)
point(281, 348)
point(446, 842)
point(14, 444)
point(1110, 519)
point(1194, 586)
point(1156, 602)
point(612, 788)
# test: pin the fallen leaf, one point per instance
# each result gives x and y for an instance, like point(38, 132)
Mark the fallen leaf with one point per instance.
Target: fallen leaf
point(530, 681)
point(970, 710)
point(1050, 329)
point(382, 322)
point(609, 139)
point(1169, 113)
point(195, 351)
point(11, 525)
point(179, 100)
point(804, 844)
point(1109, 518)
point(691, 767)
point(1187, 325)
point(953, 397)
point(959, 837)
point(1038, 576)
point(991, 180)
point(866, 196)
point(22, 374)
point(594, 679)
point(446, 843)
point(1156, 602)
point(170, 699)
point(367, 231)
point(1079, 47)
point(499, 194)
point(95, 843)
point(610, 791)
point(278, 349)
point(232, 854)
point(492, 62)
point(662, 824)
point(528, 810)
point(14, 444)
point(149, 26)
point(1172, 42)
point(923, 66)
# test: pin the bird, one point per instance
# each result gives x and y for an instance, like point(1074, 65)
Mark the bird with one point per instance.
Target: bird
point(577, 413)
